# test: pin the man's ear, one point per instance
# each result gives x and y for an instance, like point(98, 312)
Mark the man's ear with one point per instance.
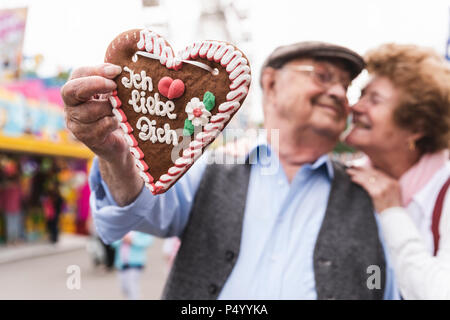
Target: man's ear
point(268, 81)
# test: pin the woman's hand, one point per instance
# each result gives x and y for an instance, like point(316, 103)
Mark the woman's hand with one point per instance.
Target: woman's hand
point(384, 190)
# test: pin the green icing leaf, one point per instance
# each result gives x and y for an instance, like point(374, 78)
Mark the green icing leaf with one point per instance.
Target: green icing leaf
point(209, 100)
point(188, 129)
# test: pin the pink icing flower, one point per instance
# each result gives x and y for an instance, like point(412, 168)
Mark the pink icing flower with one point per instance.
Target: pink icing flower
point(197, 112)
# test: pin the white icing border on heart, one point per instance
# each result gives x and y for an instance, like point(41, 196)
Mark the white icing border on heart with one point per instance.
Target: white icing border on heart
point(239, 73)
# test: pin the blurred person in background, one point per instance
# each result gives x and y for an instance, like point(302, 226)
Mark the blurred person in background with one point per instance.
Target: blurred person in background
point(170, 250)
point(52, 200)
point(130, 260)
point(12, 202)
point(83, 208)
point(100, 252)
point(402, 123)
point(110, 254)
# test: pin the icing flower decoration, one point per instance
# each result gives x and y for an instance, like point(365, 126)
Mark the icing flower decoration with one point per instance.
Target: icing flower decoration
point(197, 112)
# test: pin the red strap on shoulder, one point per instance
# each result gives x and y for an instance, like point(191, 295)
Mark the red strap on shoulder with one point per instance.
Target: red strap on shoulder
point(437, 211)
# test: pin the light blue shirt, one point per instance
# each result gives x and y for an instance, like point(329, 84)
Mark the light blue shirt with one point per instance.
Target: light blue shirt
point(281, 224)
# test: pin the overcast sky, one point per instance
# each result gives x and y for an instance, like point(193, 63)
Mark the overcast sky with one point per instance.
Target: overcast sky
point(71, 33)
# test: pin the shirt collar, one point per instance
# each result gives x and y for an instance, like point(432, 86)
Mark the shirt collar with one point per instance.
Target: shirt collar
point(324, 160)
point(262, 144)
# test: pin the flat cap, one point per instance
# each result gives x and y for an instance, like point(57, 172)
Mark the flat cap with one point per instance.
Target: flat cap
point(315, 49)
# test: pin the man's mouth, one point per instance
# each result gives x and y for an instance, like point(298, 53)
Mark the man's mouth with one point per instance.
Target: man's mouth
point(335, 108)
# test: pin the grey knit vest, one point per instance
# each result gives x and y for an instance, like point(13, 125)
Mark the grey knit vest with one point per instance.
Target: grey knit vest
point(347, 243)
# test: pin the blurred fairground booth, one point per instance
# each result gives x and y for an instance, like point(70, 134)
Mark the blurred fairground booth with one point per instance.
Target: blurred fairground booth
point(43, 170)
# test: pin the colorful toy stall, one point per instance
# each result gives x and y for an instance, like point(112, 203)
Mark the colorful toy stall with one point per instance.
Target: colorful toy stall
point(38, 153)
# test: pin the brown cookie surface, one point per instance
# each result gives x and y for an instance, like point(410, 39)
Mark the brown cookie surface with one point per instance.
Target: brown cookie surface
point(167, 135)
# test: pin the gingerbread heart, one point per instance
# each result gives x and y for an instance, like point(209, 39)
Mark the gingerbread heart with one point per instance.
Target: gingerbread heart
point(171, 107)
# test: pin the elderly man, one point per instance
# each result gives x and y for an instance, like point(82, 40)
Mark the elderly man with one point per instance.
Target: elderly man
point(304, 232)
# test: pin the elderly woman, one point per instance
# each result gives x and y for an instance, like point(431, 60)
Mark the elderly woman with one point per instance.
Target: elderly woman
point(402, 123)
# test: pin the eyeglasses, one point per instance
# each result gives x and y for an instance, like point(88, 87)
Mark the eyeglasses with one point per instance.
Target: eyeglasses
point(323, 78)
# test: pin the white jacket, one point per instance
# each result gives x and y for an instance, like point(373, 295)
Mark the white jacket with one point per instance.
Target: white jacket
point(409, 238)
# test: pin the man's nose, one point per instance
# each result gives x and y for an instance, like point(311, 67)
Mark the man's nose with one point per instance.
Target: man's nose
point(338, 91)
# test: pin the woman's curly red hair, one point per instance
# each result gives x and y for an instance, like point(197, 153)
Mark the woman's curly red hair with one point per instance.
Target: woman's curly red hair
point(423, 78)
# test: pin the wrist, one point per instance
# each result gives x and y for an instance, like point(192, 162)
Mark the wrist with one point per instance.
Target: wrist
point(122, 178)
point(117, 162)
